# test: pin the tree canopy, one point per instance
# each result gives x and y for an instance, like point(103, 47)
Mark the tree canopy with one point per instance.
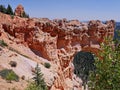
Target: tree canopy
point(9, 10)
point(3, 9)
point(83, 64)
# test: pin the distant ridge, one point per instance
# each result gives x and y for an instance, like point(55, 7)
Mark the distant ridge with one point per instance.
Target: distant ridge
point(117, 26)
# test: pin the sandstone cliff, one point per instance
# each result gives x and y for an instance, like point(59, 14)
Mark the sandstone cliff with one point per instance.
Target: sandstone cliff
point(55, 41)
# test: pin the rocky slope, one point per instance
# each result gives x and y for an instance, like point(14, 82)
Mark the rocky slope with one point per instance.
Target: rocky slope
point(54, 41)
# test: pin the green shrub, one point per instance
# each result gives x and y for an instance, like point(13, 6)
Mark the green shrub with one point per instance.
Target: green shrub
point(13, 63)
point(3, 44)
point(9, 75)
point(23, 77)
point(24, 15)
point(107, 74)
point(12, 16)
point(47, 65)
point(14, 88)
point(32, 86)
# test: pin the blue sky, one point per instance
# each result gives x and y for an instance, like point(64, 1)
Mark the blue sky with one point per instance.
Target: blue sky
point(70, 9)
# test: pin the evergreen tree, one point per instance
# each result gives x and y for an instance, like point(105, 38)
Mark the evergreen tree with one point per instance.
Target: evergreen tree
point(38, 78)
point(3, 9)
point(9, 10)
point(38, 81)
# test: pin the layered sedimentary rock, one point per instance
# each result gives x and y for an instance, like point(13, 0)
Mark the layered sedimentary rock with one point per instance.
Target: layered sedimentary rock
point(57, 41)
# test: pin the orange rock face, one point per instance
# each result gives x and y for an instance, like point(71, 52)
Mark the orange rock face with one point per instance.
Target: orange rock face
point(58, 41)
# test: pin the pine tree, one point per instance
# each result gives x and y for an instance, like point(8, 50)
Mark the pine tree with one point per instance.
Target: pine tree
point(3, 9)
point(38, 81)
point(38, 78)
point(9, 10)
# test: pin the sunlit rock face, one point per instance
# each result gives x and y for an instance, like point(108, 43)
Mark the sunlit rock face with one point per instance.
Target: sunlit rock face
point(19, 10)
point(57, 41)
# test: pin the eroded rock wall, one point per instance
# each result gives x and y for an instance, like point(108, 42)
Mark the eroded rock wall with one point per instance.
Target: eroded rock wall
point(57, 41)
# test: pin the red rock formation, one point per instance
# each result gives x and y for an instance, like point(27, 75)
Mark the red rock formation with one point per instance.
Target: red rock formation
point(58, 40)
point(19, 10)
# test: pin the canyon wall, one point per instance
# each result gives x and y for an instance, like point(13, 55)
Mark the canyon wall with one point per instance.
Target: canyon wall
point(57, 41)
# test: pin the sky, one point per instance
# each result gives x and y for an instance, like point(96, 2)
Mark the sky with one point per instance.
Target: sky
point(82, 10)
